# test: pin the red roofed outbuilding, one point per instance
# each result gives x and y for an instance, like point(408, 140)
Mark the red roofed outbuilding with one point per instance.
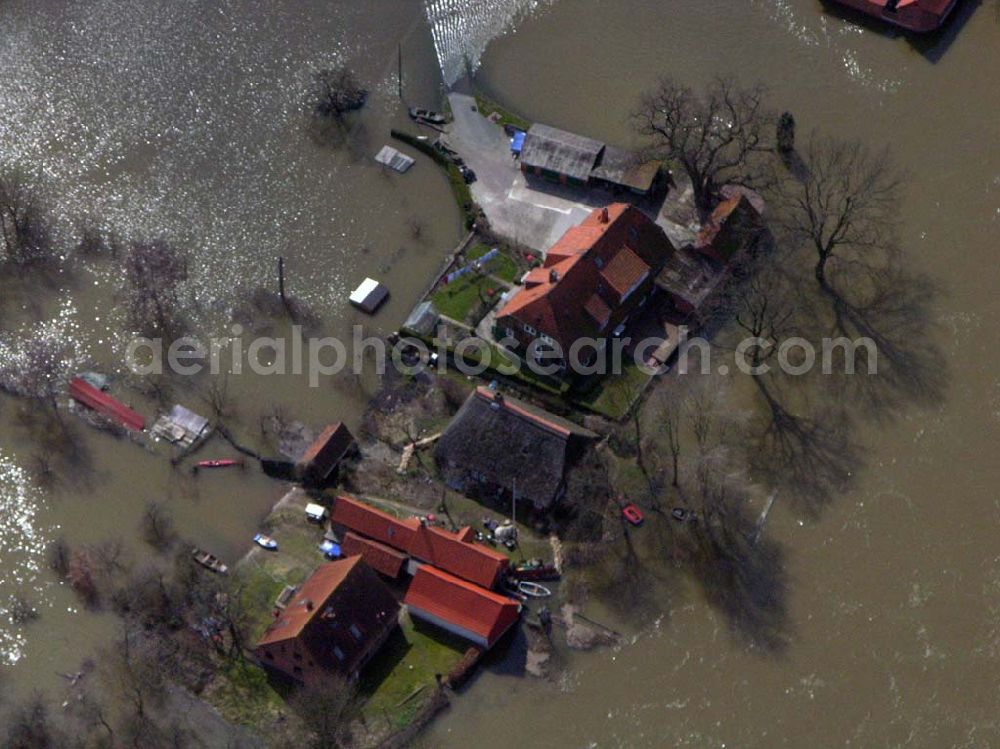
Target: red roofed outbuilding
point(378, 556)
point(83, 392)
point(461, 608)
point(454, 552)
point(324, 455)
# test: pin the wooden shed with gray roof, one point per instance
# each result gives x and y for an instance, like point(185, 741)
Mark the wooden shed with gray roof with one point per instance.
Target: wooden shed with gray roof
point(559, 155)
point(568, 158)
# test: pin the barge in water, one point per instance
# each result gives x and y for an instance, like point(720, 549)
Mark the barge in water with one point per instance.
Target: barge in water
point(913, 15)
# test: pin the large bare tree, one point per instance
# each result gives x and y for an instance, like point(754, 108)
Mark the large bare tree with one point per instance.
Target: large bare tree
point(23, 223)
point(337, 92)
point(719, 136)
point(154, 272)
point(844, 206)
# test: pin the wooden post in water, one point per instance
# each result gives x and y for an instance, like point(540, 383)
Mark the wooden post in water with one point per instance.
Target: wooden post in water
point(281, 281)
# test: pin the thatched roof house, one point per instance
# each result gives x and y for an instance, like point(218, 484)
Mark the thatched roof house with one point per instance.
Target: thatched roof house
point(496, 444)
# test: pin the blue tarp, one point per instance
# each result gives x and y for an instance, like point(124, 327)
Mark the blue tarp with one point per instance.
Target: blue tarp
point(330, 549)
point(517, 142)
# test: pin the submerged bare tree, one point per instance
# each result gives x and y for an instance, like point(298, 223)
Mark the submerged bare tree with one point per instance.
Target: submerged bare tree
point(337, 92)
point(157, 526)
point(23, 221)
point(720, 136)
point(844, 206)
point(154, 272)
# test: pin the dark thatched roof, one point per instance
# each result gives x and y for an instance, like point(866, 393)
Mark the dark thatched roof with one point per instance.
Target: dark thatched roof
point(497, 441)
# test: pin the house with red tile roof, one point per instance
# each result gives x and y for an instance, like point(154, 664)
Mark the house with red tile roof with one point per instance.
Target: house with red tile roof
point(593, 278)
point(461, 608)
point(456, 553)
point(335, 623)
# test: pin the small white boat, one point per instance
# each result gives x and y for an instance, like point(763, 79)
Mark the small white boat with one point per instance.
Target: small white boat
point(265, 542)
point(533, 590)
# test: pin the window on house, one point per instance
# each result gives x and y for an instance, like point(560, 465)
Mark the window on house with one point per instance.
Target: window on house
point(633, 234)
point(355, 632)
point(339, 653)
point(297, 656)
point(268, 654)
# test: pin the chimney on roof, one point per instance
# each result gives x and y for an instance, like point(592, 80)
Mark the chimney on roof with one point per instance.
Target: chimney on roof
point(553, 275)
point(604, 215)
point(308, 604)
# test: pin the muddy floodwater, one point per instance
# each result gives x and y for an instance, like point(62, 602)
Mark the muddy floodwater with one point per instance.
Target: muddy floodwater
point(186, 119)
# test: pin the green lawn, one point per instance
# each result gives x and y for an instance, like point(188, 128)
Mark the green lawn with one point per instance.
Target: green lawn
point(502, 266)
point(488, 107)
point(460, 299)
point(244, 696)
point(401, 677)
point(613, 395)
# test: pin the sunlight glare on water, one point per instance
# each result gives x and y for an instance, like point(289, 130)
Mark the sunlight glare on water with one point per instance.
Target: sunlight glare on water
point(22, 548)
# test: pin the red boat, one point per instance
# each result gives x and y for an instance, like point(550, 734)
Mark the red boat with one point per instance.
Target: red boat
point(222, 463)
point(632, 514)
point(913, 15)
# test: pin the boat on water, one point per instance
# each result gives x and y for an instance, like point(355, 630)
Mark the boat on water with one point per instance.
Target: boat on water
point(920, 16)
point(535, 569)
point(265, 542)
point(220, 463)
point(533, 590)
point(209, 561)
point(427, 115)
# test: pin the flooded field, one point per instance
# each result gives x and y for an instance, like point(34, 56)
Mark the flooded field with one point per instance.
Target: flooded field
point(894, 589)
point(190, 121)
point(187, 120)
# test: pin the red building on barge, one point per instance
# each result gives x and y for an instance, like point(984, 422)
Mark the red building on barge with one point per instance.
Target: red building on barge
point(913, 15)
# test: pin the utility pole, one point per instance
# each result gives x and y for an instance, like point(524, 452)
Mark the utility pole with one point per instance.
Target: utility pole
point(399, 73)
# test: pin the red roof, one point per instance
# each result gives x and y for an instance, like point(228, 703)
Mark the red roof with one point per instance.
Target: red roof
point(466, 606)
point(343, 607)
point(328, 450)
point(307, 601)
point(368, 521)
point(540, 418)
point(452, 552)
point(592, 268)
point(625, 271)
point(379, 557)
point(104, 404)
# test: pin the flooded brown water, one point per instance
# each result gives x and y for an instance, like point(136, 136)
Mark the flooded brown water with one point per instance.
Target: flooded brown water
point(190, 120)
point(895, 590)
point(185, 118)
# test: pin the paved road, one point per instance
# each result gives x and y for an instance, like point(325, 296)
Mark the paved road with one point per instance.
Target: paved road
point(536, 214)
point(533, 218)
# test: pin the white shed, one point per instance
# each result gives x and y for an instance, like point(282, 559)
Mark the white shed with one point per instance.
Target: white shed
point(316, 513)
point(369, 295)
